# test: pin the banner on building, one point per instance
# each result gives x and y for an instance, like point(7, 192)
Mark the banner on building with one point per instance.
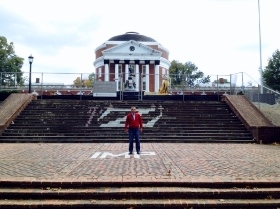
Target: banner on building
point(104, 89)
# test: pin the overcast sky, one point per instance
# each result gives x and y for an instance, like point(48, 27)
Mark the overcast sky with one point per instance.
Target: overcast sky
point(220, 37)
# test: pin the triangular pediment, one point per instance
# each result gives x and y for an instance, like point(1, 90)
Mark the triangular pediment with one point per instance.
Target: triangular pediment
point(133, 48)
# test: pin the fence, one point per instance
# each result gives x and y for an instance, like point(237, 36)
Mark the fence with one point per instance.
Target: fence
point(256, 93)
point(58, 81)
point(46, 83)
point(82, 84)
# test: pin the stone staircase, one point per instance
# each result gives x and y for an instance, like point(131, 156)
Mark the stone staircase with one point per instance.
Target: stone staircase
point(37, 194)
point(103, 121)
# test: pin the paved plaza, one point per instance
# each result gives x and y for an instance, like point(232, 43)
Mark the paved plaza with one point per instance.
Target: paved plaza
point(98, 162)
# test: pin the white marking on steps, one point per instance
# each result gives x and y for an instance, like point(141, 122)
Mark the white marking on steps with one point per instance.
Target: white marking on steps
point(118, 122)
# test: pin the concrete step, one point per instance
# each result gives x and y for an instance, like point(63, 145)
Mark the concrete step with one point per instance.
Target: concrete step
point(151, 195)
point(156, 127)
point(122, 134)
point(146, 204)
point(150, 192)
point(96, 130)
point(73, 121)
point(124, 139)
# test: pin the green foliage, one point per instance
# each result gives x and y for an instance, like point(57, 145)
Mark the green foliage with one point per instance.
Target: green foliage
point(186, 74)
point(10, 64)
point(91, 77)
point(8, 92)
point(85, 82)
point(5, 93)
point(271, 74)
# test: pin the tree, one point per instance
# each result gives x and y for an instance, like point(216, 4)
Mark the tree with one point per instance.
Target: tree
point(91, 77)
point(77, 82)
point(271, 74)
point(186, 74)
point(84, 82)
point(10, 64)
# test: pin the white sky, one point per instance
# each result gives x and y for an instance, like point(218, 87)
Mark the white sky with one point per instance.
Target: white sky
point(220, 37)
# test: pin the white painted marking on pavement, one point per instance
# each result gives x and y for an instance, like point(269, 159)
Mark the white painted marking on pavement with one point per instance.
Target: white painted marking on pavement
point(125, 154)
point(95, 155)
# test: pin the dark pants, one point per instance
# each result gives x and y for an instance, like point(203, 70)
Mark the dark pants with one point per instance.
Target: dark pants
point(134, 132)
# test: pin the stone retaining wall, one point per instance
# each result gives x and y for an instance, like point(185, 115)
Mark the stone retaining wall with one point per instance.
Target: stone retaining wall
point(259, 125)
point(11, 107)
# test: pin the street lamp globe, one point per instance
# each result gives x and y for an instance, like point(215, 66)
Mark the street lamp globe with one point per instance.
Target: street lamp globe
point(30, 58)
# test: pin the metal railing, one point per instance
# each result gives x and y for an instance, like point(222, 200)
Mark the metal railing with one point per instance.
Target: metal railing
point(82, 84)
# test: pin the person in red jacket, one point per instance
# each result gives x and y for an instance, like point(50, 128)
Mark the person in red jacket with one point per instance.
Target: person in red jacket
point(133, 126)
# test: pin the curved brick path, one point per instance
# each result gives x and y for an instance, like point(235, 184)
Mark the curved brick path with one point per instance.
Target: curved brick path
point(182, 162)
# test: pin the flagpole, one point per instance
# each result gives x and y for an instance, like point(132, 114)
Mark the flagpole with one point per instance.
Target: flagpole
point(260, 43)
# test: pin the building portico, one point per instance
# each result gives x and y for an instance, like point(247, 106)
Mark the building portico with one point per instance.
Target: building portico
point(141, 65)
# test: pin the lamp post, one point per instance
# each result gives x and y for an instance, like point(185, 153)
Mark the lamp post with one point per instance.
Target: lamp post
point(30, 58)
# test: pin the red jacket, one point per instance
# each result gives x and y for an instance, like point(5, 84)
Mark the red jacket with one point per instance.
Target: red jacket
point(130, 122)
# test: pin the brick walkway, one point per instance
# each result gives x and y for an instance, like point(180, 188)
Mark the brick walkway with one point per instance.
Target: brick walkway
point(178, 162)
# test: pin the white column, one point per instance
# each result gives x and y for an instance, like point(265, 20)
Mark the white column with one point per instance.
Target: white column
point(157, 78)
point(126, 72)
point(147, 78)
point(99, 73)
point(117, 76)
point(137, 77)
point(106, 72)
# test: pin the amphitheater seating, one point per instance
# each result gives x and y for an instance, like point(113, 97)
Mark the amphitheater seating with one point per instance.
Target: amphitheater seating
point(103, 121)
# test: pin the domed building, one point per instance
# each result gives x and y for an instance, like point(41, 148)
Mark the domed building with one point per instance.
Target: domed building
point(134, 61)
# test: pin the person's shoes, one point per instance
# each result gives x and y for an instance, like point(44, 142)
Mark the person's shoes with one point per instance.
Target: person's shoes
point(138, 153)
point(130, 153)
